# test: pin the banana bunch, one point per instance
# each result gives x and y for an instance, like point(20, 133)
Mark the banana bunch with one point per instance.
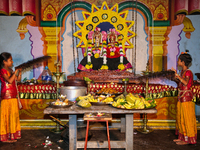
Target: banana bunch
point(139, 104)
point(92, 99)
point(88, 97)
point(151, 103)
point(119, 103)
point(80, 98)
point(107, 100)
point(84, 103)
point(120, 97)
point(133, 102)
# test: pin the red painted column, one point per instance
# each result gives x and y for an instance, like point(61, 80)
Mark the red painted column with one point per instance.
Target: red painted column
point(15, 7)
point(28, 7)
point(181, 6)
point(4, 7)
point(194, 6)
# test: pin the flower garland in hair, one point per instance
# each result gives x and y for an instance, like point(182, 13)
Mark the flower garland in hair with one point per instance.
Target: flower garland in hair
point(121, 65)
point(104, 38)
point(186, 52)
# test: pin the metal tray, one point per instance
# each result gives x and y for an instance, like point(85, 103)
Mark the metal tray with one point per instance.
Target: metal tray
point(100, 103)
point(131, 109)
point(107, 94)
point(70, 103)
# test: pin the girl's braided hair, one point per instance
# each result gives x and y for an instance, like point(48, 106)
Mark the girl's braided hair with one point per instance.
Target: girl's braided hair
point(4, 56)
point(184, 56)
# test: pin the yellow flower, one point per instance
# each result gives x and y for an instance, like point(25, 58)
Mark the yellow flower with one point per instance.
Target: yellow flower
point(104, 67)
point(88, 66)
point(112, 53)
point(96, 55)
point(121, 67)
point(85, 54)
point(120, 37)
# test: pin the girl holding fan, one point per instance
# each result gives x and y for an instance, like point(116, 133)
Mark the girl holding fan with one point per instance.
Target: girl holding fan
point(10, 129)
point(185, 118)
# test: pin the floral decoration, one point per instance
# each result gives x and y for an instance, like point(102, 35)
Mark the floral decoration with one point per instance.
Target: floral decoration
point(104, 67)
point(89, 66)
point(112, 53)
point(96, 55)
point(121, 67)
point(120, 49)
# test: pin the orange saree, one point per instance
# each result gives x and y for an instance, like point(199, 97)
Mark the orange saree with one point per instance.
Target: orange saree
point(10, 128)
point(185, 118)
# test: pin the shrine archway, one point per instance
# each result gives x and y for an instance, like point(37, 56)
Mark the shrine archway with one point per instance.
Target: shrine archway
point(64, 16)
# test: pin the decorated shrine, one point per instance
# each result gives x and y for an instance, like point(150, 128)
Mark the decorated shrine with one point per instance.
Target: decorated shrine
point(105, 34)
point(106, 41)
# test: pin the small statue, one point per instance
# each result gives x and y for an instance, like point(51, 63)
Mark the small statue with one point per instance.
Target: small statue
point(104, 52)
point(97, 42)
point(113, 46)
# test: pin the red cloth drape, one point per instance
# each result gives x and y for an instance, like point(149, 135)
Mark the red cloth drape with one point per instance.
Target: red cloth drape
point(4, 9)
point(194, 6)
point(187, 6)
point(28, 7)
point(17, 7)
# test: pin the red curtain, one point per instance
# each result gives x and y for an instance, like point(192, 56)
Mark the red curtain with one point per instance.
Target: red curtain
point(28, 7)
point(23, 7)
point(17, 7)
point(187, 6)
point(194, 6)
point(4, 9)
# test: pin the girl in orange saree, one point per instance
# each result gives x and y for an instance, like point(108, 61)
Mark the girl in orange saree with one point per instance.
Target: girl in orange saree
point(10, 128)
point(185, 118)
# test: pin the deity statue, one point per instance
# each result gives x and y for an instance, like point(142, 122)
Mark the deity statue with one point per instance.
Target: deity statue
point(104, 51)
point(116, 58)
point(113, 46)
point(92, 59)
point(96, 42)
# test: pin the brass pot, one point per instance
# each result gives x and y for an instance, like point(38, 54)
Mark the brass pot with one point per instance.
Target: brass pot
point(72, 92)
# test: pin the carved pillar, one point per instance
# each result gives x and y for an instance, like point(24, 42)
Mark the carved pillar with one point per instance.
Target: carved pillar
point(165, 50)
point(51, 40)
point(158, 39)
point(150, 50)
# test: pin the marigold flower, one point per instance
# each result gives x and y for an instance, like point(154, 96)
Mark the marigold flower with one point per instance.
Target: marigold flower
point(105, 67)
point(87, 66)
point(112, 53)
point(96, 55)
point(121, 67)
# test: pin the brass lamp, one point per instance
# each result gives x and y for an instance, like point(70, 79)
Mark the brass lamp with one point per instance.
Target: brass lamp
point(57, 74)
point(145, 130)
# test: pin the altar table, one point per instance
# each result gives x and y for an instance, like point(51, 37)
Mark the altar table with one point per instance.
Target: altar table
point(126, 124)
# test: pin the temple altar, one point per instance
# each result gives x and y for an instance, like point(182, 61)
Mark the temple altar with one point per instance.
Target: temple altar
point(164, 95)
point(155, 31)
